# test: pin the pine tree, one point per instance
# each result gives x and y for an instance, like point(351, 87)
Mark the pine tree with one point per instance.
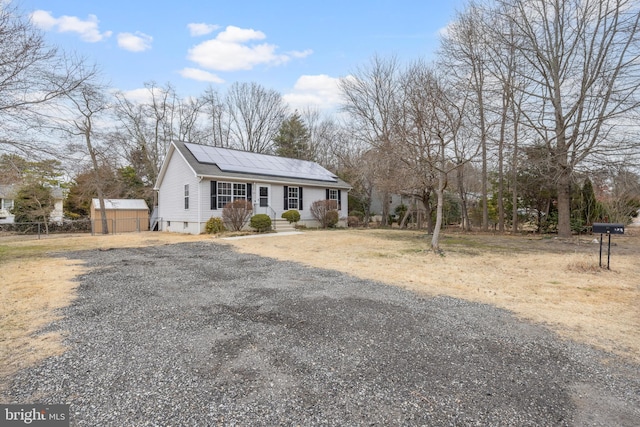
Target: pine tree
point(293, 139)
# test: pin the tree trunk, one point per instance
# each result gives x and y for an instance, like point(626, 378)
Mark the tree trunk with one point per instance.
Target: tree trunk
point(564, 205)
point(435, 238)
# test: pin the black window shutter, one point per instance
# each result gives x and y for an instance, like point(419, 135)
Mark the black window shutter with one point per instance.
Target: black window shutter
point(300, 205)
point(339, 199)
point(327, 196)
point(249, 195)
point(214, 195)
point(286, 198)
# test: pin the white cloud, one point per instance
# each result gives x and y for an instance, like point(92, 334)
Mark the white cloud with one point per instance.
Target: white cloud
point(232, 50)
point(137, 42)
point(201, 29)
point(321, 91)
point(87, 29)
point(200, 75)
point(300, 54)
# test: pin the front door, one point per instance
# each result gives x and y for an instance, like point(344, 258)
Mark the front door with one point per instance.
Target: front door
point(264, 199)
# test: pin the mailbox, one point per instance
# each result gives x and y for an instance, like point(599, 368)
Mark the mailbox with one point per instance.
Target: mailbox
point(607, 228)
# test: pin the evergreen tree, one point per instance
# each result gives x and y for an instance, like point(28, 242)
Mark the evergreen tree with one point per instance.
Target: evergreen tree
point(33, 203)
point(589, 203)
point(293, 139)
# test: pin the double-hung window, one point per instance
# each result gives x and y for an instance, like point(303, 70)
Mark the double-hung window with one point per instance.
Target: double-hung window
point(333, 194)
point(223, 193)
point(186, 196)
point(293, 197)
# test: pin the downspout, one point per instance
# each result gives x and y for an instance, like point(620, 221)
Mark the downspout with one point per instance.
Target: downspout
point(198, 204)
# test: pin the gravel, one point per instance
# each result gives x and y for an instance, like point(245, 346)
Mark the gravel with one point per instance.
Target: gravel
point(197, 334)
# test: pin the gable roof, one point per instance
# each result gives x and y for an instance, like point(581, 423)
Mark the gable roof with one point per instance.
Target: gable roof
point(121, 204)
point(8, 191)
point(219, 163)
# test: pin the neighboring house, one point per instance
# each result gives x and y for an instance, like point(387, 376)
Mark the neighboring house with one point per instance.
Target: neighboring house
point(123, 215)
point(7, 195)
point(197, 181)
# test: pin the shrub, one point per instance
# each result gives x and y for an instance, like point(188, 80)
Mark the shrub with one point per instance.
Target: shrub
point(291, 215)
point(357, 214)
point(236, 214)
point(353, 221)
point(260, 222)
point(320, 210)
point(332, 218)
point(214, 226)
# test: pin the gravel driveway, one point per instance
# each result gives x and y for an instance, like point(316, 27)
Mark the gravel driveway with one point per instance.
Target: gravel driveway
point(197, 334)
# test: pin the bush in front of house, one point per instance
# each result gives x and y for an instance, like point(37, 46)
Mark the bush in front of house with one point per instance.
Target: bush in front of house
point(353, 221)
point(236, 214)
point(260, 223)
point(332, 218)
point(291, 215)
point(325, 212)
point(214, 225)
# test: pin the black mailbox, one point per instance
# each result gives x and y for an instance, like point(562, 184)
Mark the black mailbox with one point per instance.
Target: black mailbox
point(607, 228)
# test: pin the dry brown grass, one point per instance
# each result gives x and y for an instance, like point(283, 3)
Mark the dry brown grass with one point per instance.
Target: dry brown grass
point(550, 281)
point(35, 285)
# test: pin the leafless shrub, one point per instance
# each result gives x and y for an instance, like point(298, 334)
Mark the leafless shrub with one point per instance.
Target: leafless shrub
point(325, 212)
point(236, 214)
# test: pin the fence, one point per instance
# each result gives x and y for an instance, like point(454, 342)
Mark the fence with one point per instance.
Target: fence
point(114, 226)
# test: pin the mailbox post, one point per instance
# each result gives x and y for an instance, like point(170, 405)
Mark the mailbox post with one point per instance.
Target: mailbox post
point(608, 229)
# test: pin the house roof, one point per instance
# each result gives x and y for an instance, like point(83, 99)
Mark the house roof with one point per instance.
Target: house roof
point(121, 204)
point(8, 191)
point(225, 163)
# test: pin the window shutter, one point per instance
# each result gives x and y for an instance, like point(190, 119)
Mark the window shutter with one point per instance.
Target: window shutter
point(286, 198)
point(339, 199)
point(300, 205)
point(327, 194)
point(214, 195)
point(249, 195)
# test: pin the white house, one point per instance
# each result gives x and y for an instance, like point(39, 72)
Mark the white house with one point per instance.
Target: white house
point(197, 181)
point(7, 195)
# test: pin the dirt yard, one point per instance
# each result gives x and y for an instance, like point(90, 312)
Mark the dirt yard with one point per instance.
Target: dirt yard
point(547, 280)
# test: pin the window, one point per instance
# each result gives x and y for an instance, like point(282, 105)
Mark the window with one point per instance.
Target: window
point(293, 198)
point(186, 196)
point(333, 194)
point(223, 193)
point(264, 197)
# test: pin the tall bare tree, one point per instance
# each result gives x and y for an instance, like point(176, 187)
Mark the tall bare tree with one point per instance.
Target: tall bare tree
point(32, 75)
point(371, 101)
point(583, 81)
point(465, 51)
point(80, 117)
point(255, 115)
point(217, 120)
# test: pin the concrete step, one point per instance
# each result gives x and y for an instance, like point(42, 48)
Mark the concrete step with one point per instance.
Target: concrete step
point(282, 225)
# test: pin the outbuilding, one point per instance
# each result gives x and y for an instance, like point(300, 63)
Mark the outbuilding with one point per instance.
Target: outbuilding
point(123, 215)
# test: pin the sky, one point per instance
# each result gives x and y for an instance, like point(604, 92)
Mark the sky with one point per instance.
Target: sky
point(299, 48)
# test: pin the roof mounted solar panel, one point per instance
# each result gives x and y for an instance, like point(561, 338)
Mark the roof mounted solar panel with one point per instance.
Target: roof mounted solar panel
point(229, 160)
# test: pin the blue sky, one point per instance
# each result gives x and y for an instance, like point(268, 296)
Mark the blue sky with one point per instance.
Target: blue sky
point(298, 48)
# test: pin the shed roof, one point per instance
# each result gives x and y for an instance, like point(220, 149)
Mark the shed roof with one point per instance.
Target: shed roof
point(121, 204)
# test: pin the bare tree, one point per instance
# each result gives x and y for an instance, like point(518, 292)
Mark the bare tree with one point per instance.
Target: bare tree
point(583, 81)
point(32, 75)
point(215, 111)
point(466, 53)
point(84, 108)
point(255, 115)
point(371, 100)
